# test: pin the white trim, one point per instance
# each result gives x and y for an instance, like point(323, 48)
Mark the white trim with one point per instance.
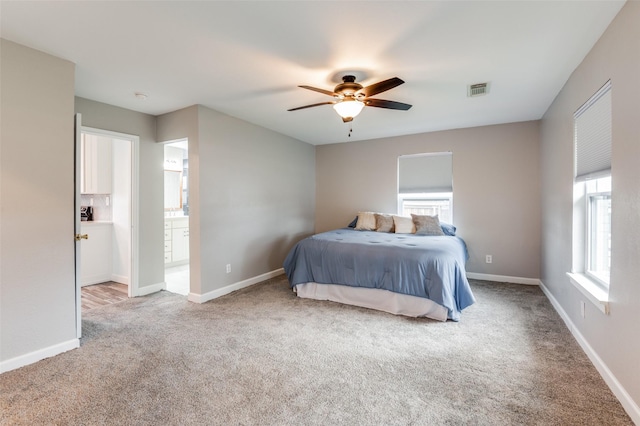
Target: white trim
point(133, 290)
point(135, 217)
point(95, 279)
point(122, 279)
point(201, 298)
point(40, 354)
point(591, 291)
point(593, 99)
point(632, 409)
point(76, 222)
point(148, 289)
point(503, 278)
point(178, 263)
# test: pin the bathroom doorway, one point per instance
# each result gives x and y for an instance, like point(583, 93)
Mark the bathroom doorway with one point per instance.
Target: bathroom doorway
point(176, 216)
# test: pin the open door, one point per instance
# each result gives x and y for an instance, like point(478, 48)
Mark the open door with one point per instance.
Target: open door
point(124, 215)
point(78, 236)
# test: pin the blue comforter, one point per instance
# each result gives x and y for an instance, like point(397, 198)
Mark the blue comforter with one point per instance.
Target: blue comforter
point(423, 266)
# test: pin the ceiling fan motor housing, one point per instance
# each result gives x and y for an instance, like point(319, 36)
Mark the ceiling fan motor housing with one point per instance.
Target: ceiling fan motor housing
point(349, 86)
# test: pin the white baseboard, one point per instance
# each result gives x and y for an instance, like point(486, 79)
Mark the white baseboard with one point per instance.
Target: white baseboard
point(201, 298)
point(616, 387)
point(503, 278)
point(148, 289)
point(40, 354)
point(95, 279)
point(122, 279)
point(168, 265)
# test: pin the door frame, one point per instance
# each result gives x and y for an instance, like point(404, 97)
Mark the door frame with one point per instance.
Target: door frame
point(133, 287)
point(184, 140)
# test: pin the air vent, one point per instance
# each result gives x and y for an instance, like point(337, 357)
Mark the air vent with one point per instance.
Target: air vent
point(478, 89)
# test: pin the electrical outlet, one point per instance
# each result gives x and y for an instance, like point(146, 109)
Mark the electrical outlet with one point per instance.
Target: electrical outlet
point(489, 259)
point(228, 268)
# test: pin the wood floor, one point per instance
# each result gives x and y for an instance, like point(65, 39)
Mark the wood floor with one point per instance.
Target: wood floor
point(103, 294)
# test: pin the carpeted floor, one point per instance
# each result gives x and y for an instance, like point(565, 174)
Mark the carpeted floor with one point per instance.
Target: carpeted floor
point(263, 356)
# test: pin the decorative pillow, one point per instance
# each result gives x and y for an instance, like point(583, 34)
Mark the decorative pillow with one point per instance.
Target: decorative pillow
point(448, 229)
point(366, 221)
point(427, 225)
point(352, 224)
point(384, 223)
point(403, 225)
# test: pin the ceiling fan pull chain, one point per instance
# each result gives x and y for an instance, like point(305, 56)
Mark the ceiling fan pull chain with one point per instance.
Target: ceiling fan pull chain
point(350, 129)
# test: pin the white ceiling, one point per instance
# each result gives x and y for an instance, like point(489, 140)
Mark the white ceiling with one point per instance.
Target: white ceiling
point(246, 58)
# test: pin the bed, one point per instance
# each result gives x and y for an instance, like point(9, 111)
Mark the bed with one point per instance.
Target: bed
point(400, 273)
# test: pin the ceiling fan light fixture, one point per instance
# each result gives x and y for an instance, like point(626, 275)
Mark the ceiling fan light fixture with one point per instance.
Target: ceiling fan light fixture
point(348, 108)
point(350, 97)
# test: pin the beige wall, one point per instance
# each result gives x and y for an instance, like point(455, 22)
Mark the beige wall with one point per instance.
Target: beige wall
point(37, 284)
point(151, 178)
point(495, 189)
point(614, 338)
point(255, 192)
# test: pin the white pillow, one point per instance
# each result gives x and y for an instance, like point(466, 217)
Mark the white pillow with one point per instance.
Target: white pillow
point(366, 221)
point(404, 225)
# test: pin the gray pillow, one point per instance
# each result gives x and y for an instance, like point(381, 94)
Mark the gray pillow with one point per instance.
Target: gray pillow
point(427, 225)
point(384, 223)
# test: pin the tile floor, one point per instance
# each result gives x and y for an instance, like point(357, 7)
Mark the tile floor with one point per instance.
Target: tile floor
point(177, 279)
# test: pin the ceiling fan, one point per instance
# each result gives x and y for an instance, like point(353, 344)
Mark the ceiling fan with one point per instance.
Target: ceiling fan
point(351, 97)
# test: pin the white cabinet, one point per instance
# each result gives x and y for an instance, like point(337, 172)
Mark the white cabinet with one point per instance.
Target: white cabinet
point(95, 254)
point(167, 241)
point(176, 241)
point(95, 164)
point(179, 244)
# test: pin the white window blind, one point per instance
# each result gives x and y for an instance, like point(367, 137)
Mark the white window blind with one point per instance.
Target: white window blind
point(425, 173)
point(592, 136)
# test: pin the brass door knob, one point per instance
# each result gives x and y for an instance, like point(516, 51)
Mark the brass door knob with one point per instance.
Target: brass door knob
point(82, 237)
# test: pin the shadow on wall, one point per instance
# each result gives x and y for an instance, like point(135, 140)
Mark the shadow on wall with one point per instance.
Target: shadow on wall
point(283, 245)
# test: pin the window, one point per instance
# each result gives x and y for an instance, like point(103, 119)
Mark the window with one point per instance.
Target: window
point(592, 198)
point(598, 231)
point(427, 204)
point(425, 185)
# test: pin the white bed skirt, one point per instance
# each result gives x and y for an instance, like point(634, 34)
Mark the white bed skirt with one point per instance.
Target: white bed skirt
point(373, 298)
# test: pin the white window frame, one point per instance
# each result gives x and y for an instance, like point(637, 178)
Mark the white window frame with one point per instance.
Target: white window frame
point(427, 196)
point(590, 199)
point(592, 139)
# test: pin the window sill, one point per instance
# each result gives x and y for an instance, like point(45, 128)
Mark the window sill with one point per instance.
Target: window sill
point(594, 293)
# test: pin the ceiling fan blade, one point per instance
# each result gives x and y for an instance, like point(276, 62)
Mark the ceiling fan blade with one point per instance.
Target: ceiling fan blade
point(315, 89)
point(381, 103)
point(380, 87)
point(312, 105)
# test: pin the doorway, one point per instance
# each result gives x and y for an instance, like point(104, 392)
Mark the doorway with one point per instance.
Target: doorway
point(176, 216)
point(106, 196)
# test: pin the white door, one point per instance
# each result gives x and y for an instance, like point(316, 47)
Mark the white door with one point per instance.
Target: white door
point(78, 236)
